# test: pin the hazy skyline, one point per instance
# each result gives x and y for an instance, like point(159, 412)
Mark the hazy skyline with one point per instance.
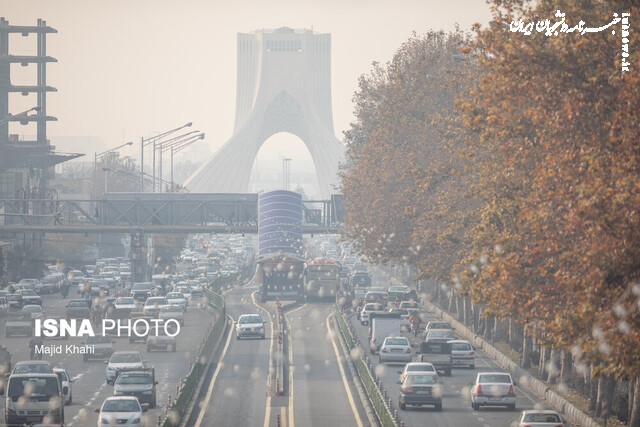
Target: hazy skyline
point(131, 69)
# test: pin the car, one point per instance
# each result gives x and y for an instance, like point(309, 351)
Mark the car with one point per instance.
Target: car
point(65, 381)
point(376, 296)
point(102, 347)
point(142, 290)
point(123, 411)
point(34, 284)
point(411, 306)
point(141, 384)
point(29, 297)
point(122, 361)
point(34, 310)
point(250, 325)
point(395, 350)
point(78, 309)
point(15, 301)
point(185, 290)
point(539, 418)
point(463, 353)
point(360, 280)
point(439, 335)
point(153, 305)
point(420, 388)
point(125, 303)
point(421, 367)
point(172, 312)
point(396, 291)
point(371, 307)
point(163, 339)
point(438, 325)
point(32, 367)
point(493, 389)
point(177, 298)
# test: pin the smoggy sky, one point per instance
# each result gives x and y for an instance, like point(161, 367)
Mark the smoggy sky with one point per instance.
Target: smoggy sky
point(129, 69)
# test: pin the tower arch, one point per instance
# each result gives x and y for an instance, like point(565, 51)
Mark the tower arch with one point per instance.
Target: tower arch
point(284, 85)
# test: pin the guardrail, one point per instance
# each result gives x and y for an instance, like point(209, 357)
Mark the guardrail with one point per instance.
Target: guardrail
point(377, 396)
point(175, 411)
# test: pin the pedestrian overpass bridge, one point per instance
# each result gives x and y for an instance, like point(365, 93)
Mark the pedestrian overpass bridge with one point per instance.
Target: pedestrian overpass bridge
point(177, 213)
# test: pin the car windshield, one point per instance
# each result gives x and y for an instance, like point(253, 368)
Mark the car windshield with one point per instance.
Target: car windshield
point(420, 368)
point(460, 346)
point(251, 319)
point(541, 418)
point(396, 341)
point(78, 304)
point(126, 358)
point(420, 379)
point(121, 405)
point(495, 378)
point(133, 379)
point(174, 295)
point(36, 388)
point(125, 301)
point(32, 308)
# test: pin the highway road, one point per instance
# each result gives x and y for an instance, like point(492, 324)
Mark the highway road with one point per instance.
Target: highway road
point(320, 390)
point(89, 387)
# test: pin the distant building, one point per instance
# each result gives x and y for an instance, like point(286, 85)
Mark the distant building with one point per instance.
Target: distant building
point(284, 85)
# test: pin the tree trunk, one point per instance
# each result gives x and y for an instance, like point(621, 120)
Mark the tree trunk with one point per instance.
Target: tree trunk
point(634, 403)
point(468, 310)
point(567, 366)
point(526, 352)
point(593, 392)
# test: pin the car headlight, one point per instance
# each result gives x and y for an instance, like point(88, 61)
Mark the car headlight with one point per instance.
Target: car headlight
point(104, 421)
point(110, 368)
point(136, 421)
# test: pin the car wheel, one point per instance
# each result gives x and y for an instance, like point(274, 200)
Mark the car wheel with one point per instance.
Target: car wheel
point(438, 406)
point(262, 337)
point(148, 349)
point(475, 406)
point(238, 337)
point(152, 404)
point(447, 372)
point(70, 399)
point(512, 407)
point(472, 366)
point(7, 334)
point(403, 406)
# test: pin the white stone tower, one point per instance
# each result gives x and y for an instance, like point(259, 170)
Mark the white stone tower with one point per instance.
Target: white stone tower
point(284, 85)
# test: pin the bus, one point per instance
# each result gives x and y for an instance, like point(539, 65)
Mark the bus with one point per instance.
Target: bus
point(281, 276)
point(322, 279)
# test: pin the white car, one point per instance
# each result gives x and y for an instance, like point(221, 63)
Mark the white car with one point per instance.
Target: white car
point(122, 411)
point(153, 305)
point(123, 361)
point(177, 298)
point(540, 418)
point(125, 303)
point(493, 389)
point(65, 381)
point(421, 367)
point(250, 325)
point(395, 350)
point(463, 353)
point(372, 307)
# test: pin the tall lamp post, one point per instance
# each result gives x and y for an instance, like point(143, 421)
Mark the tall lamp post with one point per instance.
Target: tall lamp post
point(153, 140)
point(165, 144)
point(95, 162)
point(181, 146)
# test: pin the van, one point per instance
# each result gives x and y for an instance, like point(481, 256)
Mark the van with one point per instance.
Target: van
point(383, 325)
point(43, 404)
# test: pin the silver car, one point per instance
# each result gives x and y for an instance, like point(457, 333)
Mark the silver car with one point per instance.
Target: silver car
point(463, 353)
point(395, 350)
point(493, 389)
point(250, 325)
point(123, 361)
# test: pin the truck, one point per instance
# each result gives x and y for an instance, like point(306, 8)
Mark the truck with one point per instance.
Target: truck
point(437, 353)
point(281, 276)
point(383, 325)
point(281, 262)
point(19, 324)
point(34, 398)
point(322, 279)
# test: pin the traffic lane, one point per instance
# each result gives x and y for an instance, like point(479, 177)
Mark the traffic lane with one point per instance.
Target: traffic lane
point(237, 393)
point(89, 387)
point(456, 404)
point(319, 389)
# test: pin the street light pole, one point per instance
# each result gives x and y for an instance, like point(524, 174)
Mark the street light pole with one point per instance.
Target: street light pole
point(152, 140)
point(181, 145)
point(170, 142)
point(95, 163)
point(106, 179)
